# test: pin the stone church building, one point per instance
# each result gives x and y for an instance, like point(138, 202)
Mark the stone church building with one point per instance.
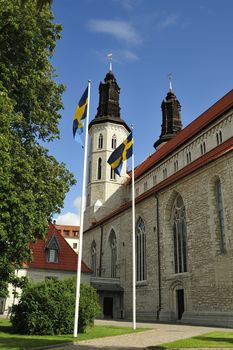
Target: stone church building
point(184, 221)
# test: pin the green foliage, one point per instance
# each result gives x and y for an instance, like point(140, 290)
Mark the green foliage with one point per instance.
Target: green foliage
point(32, 183)
point(48, 308)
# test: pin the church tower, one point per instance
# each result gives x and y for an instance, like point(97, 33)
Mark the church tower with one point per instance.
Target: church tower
point(171, 118)
point(106, 132)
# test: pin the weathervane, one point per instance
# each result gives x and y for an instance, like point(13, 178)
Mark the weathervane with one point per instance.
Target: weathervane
point(170, 81)
point(110, 61)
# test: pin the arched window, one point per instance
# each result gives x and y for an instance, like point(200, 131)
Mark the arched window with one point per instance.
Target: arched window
point(100, 141)
point(99, 170)
point(114, 142)
point(219, 202)
point(89, 172)
point(220, 136)
point(141, 250)
point(112, 174)
point(113, 247)
point(179, 235)
point(93, 257)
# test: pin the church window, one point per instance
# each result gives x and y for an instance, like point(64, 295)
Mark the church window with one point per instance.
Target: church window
point(188, 157)
point(99, 170)
point(164, 173)
point(141, 250)
point(219, 200)
point(100, 141)
point(179, 236)
point(93, 257)
point(154, 180)
point(137, 191)
point(113, 247)
point(114, 142)
point(112, 174)
point(203, 148)
point(176, 165)
point(145, 186)
point(89, 172)
point(219, 137)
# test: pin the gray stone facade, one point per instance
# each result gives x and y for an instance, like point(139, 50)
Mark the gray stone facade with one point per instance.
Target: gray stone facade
point(202, 293)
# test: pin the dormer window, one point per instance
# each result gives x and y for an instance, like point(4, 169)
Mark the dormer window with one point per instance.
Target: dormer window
point(52, 250)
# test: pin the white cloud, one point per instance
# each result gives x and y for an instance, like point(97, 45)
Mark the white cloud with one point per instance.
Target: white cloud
point(127, 55)
point(119, 56)
point(128, 5)
point(169, 21)
point(71, 218)
point(121, 30)
point(68, 219)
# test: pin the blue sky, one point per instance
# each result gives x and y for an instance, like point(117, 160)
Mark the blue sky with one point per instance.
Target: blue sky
point(149, 39)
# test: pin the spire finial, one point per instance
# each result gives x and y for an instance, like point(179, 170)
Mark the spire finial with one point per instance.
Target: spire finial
point(170, 81)
point(110, 61)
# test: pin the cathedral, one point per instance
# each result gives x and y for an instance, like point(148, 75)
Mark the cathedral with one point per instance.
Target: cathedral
point(183, 215)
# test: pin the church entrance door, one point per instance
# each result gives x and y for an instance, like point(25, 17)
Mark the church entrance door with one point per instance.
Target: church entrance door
point(108, 307)
point(180, 303)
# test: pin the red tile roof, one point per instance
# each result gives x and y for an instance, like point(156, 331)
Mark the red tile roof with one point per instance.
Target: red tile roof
point(206, 118)
point(207, 158)
point(67, 258)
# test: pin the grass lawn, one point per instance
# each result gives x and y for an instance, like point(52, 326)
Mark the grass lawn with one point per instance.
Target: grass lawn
point(11, 341)
point(208, 340)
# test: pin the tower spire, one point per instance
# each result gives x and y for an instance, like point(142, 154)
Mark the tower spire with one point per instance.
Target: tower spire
point(171, 117)
point(170, 81)
point(110, 61)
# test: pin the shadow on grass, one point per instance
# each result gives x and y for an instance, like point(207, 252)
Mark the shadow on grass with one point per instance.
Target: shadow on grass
point(24, 342)
point(216, 339)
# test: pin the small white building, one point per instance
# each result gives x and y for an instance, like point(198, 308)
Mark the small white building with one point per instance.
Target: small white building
point(52, 258)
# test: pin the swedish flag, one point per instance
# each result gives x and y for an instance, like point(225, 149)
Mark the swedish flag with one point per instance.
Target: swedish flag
point(121, 153)
point(80, 114)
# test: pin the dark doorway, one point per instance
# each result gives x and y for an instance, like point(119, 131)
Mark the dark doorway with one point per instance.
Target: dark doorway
point(180, 302)
point(108, 307)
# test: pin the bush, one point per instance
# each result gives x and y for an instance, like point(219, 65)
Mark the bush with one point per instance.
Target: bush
point(48, 308)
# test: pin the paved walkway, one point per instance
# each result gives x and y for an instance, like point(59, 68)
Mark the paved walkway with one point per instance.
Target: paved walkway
point(161, 333)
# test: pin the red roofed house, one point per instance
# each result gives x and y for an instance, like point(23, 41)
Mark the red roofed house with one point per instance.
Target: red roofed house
point(71, 235)
point(52, 258)
point(184, 221)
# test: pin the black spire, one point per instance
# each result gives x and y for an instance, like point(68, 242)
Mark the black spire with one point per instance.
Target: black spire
point(109, 108)
point(171, 123)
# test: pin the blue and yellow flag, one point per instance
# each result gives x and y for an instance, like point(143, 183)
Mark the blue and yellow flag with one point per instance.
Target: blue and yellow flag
point(80, 114)
point(121, 153)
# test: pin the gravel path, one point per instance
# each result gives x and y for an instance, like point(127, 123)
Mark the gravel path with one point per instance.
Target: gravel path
point(161, 333)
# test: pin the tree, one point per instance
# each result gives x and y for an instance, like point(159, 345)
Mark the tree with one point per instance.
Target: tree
point(32, 183)
point(48, 308)
point(39, 3)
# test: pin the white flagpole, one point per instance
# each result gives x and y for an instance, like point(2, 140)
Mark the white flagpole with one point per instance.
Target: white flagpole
point(133, 243)
point(81, 219)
